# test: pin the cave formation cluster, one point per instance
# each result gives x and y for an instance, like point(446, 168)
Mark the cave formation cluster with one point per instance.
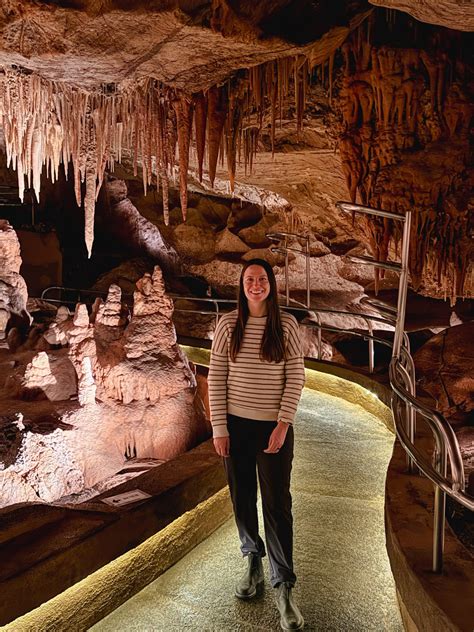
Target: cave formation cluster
point(404, 137)
point(49, 123)
point(404, 142)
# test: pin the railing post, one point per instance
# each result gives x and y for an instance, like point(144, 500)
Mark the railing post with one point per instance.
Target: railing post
point(402, 288)
point(308, 274)
point(440, 457)
point(320, 342)
point(216, 305)
point(371, 345)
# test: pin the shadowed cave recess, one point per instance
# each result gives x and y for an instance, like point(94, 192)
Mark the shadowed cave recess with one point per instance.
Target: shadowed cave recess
point(148, 149)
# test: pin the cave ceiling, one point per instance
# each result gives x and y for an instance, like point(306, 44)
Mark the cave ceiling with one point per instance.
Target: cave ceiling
point(188, 45)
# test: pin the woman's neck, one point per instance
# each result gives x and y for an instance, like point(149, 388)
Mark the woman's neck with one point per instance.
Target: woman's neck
point(257, 310)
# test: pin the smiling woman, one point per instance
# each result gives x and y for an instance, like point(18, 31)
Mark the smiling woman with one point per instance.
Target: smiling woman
point(255, 380)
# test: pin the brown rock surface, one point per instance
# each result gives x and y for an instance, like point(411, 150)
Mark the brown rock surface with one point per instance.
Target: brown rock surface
point(50, 375)
point(137, 234)
point(148, 403)
point(169, 41)
point(403, 143)
point(454, 14)
point(446, 366)
point(255, 236)
point(13, 291)
point(10, 258)
point(194, 244)
point(229, 244)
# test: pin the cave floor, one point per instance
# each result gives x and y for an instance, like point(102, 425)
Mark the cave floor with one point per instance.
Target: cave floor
point(344, 578)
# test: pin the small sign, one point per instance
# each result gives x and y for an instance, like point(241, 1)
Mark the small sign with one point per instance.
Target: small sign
point(126, 498)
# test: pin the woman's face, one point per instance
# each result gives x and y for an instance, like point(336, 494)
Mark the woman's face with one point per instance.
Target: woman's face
point(256, 284)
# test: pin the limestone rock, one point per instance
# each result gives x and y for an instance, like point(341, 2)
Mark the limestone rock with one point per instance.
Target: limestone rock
point(193, 218)
point(86, 388)
point(54, 335)
point(138, 234)
point(317, 248)
point(110, 313)
point(58, 331)
point(213, 212)
point(47, 464)
point(147, 404)
point(13, 291)
point(223, 276)
point(243, 215)
point(325, 281)
point(273, 258)
point(10, 258)
point(193, 244)
point(453, 14)
point(4, 317)
point(81, 317)
point(52, 375)
point(446, 366)
point(146, 364)
point(13, 298)
point(14, 489)
point(229, 244)
point(465, 437)
point(125, 276)
point(255, 236)
point(310, 345)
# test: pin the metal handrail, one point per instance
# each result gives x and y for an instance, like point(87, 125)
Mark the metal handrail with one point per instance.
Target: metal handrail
point(285, 249)
point(439, 423)
point(402, 381)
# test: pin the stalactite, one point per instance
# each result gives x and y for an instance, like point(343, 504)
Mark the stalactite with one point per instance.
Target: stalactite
point(200, 120)
point(183, 108)
point(48, 123)
point(216, 116)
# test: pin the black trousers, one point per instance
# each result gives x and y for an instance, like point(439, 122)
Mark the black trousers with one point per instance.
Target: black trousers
point(248, 439)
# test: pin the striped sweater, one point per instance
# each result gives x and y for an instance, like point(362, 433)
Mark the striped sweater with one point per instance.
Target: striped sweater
point(251, 387)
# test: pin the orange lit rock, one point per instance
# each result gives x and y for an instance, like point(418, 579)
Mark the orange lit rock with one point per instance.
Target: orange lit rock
point(13, 291)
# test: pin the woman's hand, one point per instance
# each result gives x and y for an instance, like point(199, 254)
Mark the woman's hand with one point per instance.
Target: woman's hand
point(277, 438)
point(222, 446)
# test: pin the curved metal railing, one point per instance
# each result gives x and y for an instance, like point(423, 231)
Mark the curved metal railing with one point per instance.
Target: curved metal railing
point(405, 405)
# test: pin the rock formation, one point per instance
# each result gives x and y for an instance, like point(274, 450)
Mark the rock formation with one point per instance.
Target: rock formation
point(13, 291)
point(404, 146)
point(136, 396)
point(136, 233)
point(445, 363)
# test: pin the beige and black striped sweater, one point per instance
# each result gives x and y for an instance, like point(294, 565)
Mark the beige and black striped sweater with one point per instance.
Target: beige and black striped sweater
point(251, 387)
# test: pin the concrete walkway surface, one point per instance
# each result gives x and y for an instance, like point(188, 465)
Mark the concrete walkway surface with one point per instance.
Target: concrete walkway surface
point(344, 579)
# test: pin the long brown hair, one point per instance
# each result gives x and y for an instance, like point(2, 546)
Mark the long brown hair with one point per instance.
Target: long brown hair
point(272, 348)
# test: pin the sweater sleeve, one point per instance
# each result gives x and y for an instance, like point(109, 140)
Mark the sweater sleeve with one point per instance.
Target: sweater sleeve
point(217, 380)
point(294, 374)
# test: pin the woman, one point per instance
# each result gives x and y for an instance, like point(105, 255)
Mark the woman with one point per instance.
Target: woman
point(256, 376)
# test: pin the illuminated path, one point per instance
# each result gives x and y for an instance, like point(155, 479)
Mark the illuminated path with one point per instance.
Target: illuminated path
point(344, 578)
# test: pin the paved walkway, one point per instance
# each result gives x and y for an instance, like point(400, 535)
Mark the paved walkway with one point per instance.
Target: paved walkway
point(344, 578)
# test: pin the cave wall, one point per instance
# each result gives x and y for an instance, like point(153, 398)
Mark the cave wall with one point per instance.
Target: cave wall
point(406, 105)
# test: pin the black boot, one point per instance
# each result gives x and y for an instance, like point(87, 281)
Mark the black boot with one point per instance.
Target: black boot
point(252, 580)
point(290, 615)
